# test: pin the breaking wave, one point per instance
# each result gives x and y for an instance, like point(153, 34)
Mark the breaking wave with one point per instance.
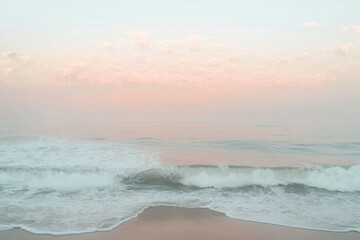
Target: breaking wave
point(332, 178)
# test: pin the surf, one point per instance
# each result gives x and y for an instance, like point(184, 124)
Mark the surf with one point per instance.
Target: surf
point(59, 186)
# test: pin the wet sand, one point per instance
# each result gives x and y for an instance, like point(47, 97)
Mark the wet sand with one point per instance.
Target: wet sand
point(181, 223)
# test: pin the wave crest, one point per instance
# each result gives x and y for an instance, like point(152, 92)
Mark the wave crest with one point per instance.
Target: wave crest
point(333, 178)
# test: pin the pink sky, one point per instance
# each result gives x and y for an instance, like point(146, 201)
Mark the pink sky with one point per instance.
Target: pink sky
point(180, 63)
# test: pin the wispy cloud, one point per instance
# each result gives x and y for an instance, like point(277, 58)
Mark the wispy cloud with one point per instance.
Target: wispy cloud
point(356, 28)
point(16, 57)
point(140, 39)
point(352, 28)
point(8, 71)
point(170, 46)
point(218, 64)
point(110, 46)
point(214, 62)
point(347, 49)
point(195, 42)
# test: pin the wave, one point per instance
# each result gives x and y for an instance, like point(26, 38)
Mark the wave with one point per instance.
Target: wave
point(86, 199)
point(83, 185)
point(333, 178)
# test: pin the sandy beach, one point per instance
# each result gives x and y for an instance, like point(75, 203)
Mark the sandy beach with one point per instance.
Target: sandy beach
point(183, 223)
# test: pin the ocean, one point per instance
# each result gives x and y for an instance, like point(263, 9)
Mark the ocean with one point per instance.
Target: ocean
point(64, 178)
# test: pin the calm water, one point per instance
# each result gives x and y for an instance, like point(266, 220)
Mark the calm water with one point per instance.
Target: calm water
point(68, 178)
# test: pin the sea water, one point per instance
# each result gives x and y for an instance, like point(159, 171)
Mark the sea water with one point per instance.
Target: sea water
point(61, 178)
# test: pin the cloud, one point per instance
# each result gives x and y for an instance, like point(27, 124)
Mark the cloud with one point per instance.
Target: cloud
point(8, 71)
point(346, 49)
point(109, 46)
point(11, 55)
point(81, 74)
point(16, 57)
point(140, 39)
point(69, 72)
point(218, 64)
point(139, 59)
point(301, 56)
point(235, 57)
point(353, 28)
point(13, 64)
point(214, 62)
point(25, 58)
point(311, 25)
point(194, 42)
point(356, 28)
point(169, 46)
point(222, 47)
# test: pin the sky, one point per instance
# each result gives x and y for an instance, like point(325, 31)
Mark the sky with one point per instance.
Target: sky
point(138, 60)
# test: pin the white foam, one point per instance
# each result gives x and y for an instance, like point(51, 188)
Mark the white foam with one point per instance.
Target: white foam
point(225, 178)
point(334, 178)
point(55, 179)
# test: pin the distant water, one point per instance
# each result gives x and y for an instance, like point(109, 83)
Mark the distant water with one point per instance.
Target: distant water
point(62, 179)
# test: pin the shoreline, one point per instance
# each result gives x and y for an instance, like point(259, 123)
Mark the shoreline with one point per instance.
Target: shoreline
point(188, 223)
